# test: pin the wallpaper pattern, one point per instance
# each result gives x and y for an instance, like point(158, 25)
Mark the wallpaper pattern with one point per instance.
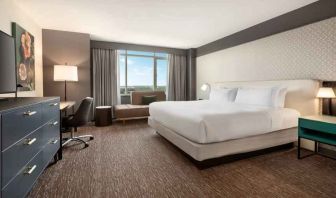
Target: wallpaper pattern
point(308, 52)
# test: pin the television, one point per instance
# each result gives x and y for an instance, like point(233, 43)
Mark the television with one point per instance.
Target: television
point(7, 64)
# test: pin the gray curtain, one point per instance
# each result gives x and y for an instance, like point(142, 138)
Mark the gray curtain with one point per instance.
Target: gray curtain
point(177, 77)
point(105, 77)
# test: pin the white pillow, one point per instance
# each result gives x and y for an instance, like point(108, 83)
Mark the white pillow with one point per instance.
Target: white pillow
point(279, 96)
point(255, 96)
point(265, 96)
point(223, 94)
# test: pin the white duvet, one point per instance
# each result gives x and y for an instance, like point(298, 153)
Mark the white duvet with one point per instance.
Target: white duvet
point(209, 121)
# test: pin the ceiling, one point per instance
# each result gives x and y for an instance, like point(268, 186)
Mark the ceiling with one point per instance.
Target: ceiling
point(168, 23)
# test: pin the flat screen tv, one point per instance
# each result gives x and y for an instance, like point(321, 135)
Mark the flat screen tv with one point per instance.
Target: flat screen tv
point(7, 64)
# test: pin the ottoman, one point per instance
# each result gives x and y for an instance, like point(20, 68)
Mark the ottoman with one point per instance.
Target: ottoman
point(103, 116)
point(129, 112)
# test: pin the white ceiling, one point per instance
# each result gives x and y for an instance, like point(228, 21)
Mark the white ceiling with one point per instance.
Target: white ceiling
point(170, 23)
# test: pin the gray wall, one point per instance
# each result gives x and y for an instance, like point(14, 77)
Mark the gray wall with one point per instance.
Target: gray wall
point(61, 47)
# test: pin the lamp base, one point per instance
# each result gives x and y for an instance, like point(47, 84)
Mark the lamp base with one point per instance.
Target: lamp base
point(326, 106)
point(65, 87)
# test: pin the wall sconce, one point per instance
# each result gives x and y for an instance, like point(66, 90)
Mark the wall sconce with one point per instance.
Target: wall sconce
point(205, 88)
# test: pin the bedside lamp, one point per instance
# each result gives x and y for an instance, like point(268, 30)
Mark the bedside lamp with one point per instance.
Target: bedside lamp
point(65, 73)
point(206, 88)
point(326, 93)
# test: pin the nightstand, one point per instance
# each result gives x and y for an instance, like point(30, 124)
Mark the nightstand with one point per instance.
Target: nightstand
point(319, 128)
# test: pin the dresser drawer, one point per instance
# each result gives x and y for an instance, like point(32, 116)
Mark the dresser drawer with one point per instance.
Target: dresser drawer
point(51, 110)
point(51, 129)
point(16, 156)
point(52, 138)
point(25, 179)
point(51, 149)
point(19, 123)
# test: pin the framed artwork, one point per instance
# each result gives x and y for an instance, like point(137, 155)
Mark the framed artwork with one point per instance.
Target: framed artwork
point(25, 58)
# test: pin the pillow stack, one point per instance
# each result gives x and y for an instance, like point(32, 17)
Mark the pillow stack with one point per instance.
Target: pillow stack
point(262, 96)
point(268, 96)
point(224, 94)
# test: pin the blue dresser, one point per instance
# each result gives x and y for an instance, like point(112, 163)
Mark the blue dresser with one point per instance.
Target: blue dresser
point(30, 138)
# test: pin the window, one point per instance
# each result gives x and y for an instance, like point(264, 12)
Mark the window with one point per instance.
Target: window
point(142, 71)
point(162, 74)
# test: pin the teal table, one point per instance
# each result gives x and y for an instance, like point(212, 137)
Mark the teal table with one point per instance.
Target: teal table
point(319, 128)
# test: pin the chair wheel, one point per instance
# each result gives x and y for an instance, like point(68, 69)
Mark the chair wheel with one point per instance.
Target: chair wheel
point(91, 138)
point(86, 145)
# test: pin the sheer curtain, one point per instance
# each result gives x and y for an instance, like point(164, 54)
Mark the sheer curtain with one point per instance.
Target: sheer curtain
point(177, 77)
point(105, 77)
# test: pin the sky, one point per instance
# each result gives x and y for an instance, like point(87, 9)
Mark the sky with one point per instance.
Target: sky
point(140, 71)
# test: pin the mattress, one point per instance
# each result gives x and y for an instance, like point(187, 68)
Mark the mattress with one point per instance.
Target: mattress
point(209, 121)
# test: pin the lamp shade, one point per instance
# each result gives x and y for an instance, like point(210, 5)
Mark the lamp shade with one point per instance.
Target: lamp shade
point(326, 92)
point(65, 73)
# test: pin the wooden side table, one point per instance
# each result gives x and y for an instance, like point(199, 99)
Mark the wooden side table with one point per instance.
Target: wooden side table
point(320, 129)
point(103, 116)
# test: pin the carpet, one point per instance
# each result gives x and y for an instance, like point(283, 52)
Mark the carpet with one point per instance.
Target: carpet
point(133, 161)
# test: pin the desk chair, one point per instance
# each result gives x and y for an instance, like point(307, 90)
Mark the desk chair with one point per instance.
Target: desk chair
point(80, 118)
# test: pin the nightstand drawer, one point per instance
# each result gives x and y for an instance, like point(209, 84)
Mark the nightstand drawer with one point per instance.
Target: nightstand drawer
point(318, 126)
point(19, 123)
point(16, 156)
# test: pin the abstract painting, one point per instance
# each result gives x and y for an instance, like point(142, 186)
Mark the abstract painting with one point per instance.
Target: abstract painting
point(25, 58)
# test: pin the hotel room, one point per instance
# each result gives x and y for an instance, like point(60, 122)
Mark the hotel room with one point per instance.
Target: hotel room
point(154, 98)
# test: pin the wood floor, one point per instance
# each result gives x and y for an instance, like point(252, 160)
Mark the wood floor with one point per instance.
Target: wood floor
point(133, 161)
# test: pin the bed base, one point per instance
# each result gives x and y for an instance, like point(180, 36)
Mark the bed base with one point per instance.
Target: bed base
point(232, 158)
point(235, 157)
point(208, 155)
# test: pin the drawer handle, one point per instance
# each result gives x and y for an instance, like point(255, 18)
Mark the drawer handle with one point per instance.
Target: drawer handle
point(54, 123)
point(31, 141)
point(53, 104)
point(54, 141)
point(30, 170)
point(29, 113)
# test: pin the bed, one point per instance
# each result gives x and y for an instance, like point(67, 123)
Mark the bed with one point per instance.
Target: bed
point(206, 130)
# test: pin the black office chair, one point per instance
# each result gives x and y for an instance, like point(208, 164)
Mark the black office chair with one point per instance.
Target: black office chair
point(80, 118)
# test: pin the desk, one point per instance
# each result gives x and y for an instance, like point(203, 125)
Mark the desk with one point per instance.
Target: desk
point(64, 106)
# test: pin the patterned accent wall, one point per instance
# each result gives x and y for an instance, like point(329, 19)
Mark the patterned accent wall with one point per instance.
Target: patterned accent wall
point(307, 52)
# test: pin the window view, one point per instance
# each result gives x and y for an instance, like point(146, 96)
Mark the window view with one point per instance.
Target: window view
point(142, 71)
point(162, 74)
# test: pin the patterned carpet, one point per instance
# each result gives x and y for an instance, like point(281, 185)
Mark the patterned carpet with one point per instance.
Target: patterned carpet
point(133, 161)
